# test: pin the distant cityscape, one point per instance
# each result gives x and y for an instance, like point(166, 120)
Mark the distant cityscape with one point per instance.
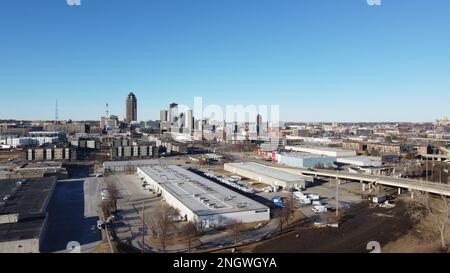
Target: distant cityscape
point(239, 172)
point(224, 127)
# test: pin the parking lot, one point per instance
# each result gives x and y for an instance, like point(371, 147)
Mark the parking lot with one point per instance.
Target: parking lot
point(72, 216)
point(325, 189)
point(132, 198)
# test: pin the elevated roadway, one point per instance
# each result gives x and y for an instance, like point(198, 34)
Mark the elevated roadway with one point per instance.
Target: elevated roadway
point(400, 183)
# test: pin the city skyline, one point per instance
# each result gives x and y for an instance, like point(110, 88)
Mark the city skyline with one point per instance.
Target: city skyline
point(310, 57)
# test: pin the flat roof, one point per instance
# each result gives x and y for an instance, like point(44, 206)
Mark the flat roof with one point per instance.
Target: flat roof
point(134, 163)
point(268, 171)
point(27, 228)
point(200, 195)
point(317, 148)
point(365, 159)
point(31, 197)
point(303, 155)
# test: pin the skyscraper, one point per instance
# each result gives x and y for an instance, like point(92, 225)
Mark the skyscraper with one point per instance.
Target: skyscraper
point(131, 108)
point(173, 113)
point(258, 125)
point(163, 115)
point(189, 121)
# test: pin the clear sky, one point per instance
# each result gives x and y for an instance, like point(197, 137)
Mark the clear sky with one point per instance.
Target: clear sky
point(320, 60)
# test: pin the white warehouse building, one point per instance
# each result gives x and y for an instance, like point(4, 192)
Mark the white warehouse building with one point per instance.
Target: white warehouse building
point(360, 161)
point(200, 200)
point(268, 175)
point(326, 151)
point(303, 160)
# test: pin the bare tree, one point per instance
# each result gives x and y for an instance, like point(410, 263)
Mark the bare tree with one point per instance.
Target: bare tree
point(439, 172)
point(161, 223)
point(113, 194)
point(236, 228)
point(190, 231)
point(283, 216)
point(439, 210)
point(291, 204)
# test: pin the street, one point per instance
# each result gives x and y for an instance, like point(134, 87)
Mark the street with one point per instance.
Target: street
point(72, 216)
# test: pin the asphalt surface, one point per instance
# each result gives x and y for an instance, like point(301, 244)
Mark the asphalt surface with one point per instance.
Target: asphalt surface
point(72, 215)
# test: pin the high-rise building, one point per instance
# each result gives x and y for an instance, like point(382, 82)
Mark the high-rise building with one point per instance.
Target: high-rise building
point(131, 108)
point(189, 120)
point(173, 113)
point(258, 125)
point(163, 115)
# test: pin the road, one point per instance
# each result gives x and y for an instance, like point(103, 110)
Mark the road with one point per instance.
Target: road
point(403, 183)
point(72, 216)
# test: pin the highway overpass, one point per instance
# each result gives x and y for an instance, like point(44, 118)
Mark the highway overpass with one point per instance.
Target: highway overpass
point(400, 183)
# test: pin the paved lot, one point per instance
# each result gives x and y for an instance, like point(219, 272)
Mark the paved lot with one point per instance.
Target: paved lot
point(128, 226)
point(72, 216)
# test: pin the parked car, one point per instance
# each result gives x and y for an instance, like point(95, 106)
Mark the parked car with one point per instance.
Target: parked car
point(314, 197)
point(319, 209)
point(100, 224)
point(379, 199)
point(305, 201)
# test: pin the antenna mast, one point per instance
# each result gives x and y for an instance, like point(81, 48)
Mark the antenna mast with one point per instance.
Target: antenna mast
point(107, 110)
point(56, 112)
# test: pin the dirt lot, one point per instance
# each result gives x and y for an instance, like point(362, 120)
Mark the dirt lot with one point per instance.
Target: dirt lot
point(359, 226)
point(422, 238)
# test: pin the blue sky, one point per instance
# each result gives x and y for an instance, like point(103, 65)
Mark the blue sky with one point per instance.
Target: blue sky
point(320, 60)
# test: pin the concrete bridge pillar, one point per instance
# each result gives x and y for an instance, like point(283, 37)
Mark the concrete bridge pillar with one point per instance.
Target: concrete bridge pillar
point(363, 187)
point(412, 195)
point(399, 191)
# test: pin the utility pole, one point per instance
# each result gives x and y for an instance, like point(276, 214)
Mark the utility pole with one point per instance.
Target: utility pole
point(106, 231)
point(337, 197)
point(143, 226)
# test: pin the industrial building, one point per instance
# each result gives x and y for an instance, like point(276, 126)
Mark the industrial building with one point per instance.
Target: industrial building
point(200, 200)
point(303, 160)
point(29, 141)
point(23, 214)
point(133, 152)
point(360, 161)
point(42, 154)
point(269, 175)
point(127, 166)
point(326, 151)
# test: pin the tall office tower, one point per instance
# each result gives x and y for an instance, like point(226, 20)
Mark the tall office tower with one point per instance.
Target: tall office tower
point(163, 115)
point(258, 125)
point(131, 108)
point(189, 120)
point(103, 122)
point(173, 113)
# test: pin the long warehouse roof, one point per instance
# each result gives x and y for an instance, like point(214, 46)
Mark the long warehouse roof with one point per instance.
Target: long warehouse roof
point(200, 195)
point(268, 171)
